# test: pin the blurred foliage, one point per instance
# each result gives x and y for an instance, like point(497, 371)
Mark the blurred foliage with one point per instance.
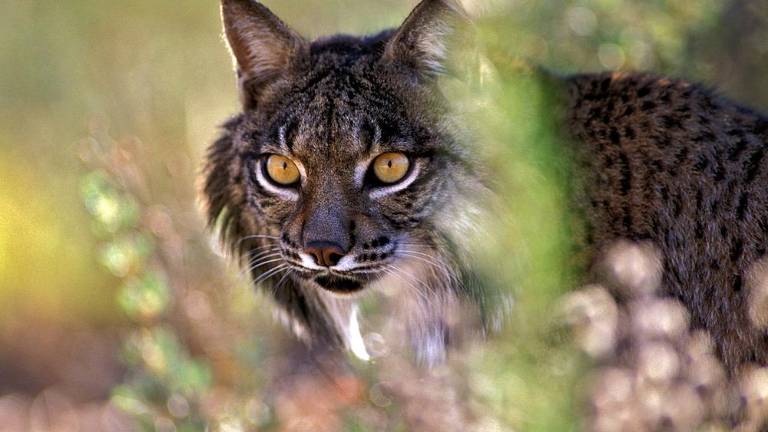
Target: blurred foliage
point(164, 385)
point(530, 362)
point(106, 109)
point(605, 34)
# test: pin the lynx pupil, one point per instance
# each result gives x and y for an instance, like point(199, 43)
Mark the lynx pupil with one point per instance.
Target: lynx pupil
point(282, 170)
point(391, 167)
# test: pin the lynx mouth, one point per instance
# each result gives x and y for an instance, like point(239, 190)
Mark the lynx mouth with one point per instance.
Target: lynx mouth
point(339, 284)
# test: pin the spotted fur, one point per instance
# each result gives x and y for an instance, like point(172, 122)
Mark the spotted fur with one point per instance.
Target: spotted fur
point(673, 163)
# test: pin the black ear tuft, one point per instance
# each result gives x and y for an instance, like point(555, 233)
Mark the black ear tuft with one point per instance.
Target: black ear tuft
point(262, 45)
point(424, 40)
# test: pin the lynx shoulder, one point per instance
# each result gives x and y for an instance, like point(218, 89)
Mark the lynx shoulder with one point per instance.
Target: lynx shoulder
point(672, 163)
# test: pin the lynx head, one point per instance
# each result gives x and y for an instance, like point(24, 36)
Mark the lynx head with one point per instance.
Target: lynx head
point(342, 174)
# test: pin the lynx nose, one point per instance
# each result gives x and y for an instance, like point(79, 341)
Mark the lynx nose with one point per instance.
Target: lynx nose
point(326, 254)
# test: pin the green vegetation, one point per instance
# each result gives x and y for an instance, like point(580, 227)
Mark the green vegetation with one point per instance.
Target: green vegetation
point(105, 112)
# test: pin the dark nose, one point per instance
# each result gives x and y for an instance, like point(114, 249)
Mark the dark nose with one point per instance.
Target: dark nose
point(326, 254)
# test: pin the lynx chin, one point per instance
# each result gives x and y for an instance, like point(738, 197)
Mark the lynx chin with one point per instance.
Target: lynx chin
point(345, 173)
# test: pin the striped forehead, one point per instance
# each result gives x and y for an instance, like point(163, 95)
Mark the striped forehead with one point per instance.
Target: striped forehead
point(333, 131)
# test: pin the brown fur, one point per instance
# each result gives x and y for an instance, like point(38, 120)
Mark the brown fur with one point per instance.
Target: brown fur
point(671, 162)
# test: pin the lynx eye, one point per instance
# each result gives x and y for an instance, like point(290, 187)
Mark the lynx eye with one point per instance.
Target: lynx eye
point(391, 167)
point(282, 170)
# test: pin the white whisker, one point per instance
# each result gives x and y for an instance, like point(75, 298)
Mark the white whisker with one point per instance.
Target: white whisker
point(261, 262)
point(437, 265)
point(255, 236)
point(401, 275)
point(269, 246)
point(268, 274)
point(261, 254)
point(282, 279)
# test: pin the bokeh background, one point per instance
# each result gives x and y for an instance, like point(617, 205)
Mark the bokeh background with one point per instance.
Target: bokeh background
point(116, 311)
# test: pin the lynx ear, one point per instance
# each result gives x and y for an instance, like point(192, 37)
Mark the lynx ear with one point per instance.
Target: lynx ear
point(424, 39)
point(263, 47)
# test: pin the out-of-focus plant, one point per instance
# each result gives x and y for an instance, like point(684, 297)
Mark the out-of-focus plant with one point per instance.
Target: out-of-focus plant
point(85, 58)
point(165, 386)
point(527, 374)
point(579, 35)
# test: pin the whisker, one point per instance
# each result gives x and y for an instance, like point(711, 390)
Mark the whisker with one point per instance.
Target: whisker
point(401, 275)
point(252, 261)
point(263, 255)
point(271, 251)
point(423, 245)
point(269, 246)
point(254, 236)
point(374, 266)
point(437, 265)
point(297, 269)
point(282, 279)
point(270, 273)
point(264, 261)
point(370, 270)
point(419, 253)
point(408, 285)
point(427, 257)
point(260, 236)
point(410, 277)
point(440, 270)
point(261, 263)
point(298, 264)
point(414, 251)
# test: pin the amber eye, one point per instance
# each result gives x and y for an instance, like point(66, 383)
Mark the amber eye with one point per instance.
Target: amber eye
point(282, 170)
point(391, 167)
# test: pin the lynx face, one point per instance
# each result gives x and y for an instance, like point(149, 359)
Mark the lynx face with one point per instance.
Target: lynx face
point(341, 171)
point(336, 167)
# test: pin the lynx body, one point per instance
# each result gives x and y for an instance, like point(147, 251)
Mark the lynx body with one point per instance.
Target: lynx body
point(343, 173)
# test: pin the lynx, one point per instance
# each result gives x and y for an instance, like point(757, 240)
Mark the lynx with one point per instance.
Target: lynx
point(344, 174)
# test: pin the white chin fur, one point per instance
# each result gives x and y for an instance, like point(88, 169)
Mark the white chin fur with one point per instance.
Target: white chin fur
point(355, 338)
